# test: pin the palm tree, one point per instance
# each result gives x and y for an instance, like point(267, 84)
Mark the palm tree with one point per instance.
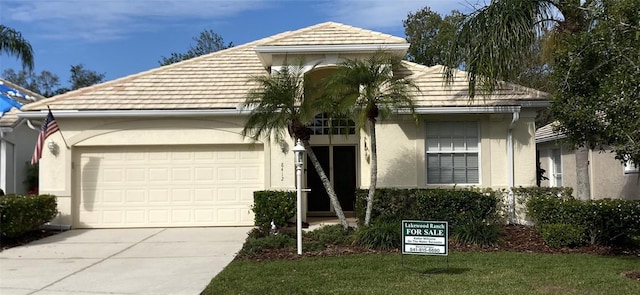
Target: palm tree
point(12, 43)
point(493, 42)
point(279, 104)
point(369, 90)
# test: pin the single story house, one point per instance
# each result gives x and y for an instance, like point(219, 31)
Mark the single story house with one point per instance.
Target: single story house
point(608, 177)
point(163, 147)
point(17, 139)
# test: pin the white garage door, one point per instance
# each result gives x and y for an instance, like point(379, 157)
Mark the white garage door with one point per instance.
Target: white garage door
point(158, 186)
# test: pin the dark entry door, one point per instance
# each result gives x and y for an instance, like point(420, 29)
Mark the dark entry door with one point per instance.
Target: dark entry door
point(343, 159)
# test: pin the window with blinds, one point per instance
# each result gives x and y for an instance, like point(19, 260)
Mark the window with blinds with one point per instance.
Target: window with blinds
point(452, 151)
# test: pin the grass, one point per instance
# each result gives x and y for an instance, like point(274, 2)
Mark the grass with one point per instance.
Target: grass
point(468, 273)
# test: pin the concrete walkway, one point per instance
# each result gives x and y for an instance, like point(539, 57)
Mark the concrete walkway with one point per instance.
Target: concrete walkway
point(120, 261)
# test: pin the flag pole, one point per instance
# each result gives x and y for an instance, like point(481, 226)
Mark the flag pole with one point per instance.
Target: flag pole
point(59, 130)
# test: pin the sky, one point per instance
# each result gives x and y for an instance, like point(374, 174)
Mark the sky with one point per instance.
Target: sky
point(123, 37)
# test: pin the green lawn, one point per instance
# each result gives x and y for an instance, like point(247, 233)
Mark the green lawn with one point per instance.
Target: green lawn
point(468, 273)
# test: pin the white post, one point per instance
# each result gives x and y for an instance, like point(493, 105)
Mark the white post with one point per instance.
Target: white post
point(298, 151)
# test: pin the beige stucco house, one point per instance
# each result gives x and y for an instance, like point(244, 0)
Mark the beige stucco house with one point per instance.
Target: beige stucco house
point(163, 147)
point(608, 177)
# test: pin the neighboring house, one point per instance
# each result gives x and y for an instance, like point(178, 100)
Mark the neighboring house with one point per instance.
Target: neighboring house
point(17, 139)
point(608, 177)
point(163, 147)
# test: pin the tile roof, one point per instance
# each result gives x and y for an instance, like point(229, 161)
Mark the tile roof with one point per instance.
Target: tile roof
point(547, 133)
point(220, 80)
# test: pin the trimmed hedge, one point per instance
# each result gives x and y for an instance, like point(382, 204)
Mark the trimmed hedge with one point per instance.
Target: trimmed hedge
point(602, 221)
point(20, 214)
point(526, 193)
point(472, 214)
point(276, 206)
point(453, 205)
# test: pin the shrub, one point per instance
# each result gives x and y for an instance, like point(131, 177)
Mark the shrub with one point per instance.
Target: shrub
point(254, 246)
point(333, 234)
point(558, 235)
point(313, 246)
point(526, 193)
point(604, 221)
point(476, 233)
point(380, 236)
point(452, 205)
point(20, 214)
point(276, 206)
point(258, 232)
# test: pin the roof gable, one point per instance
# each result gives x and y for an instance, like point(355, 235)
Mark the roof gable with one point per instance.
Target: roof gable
point(331, 33)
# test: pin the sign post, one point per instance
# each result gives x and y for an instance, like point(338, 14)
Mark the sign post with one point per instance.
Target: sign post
point(425, 238)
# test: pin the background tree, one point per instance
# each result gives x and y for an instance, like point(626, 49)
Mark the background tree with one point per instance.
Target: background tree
point(48, 84)
point(278, 105)
point(207, 42)
point(598, 81)
point(430, 35)
point(493, 42)
point(81, 77)
point(12, 43)
point(369, 89)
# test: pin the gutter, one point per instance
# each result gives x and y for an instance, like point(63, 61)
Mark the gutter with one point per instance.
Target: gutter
point(511, 198)
point(464, 110)
point(132, 113)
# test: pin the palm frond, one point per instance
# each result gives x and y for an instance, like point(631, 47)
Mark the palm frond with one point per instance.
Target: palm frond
point(492, 42)
point(276, 104)
point(12, 43)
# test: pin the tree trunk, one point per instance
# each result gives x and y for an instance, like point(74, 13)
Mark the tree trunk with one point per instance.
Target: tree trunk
point(374, 170)
point(583, 183)
point(327, 184)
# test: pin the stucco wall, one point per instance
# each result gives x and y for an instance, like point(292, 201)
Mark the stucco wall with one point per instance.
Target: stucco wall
point(608, 179)
point(23, 140)
point(401, 151)
point(606, 174)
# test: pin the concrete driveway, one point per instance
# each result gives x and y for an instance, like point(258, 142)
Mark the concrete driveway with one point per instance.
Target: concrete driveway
point(120, 261)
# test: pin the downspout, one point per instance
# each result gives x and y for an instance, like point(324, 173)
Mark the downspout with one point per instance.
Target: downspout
point(511, 198)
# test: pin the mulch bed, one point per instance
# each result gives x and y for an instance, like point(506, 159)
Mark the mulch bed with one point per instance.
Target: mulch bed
point(515, 238)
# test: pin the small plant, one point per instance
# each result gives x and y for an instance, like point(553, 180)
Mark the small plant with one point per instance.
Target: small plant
point(254, 246)
point(380, 236)
point(313, 246)
point(331, 235)
point(476, 233)
point(558, 235)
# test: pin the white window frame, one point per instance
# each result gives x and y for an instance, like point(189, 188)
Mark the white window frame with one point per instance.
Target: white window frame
point(553, 174)
point(477, 151)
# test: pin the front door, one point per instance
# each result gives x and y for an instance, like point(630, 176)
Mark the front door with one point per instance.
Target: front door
point(339, 163)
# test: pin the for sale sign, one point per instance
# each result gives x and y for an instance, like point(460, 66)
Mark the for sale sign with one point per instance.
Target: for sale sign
point(425, 237)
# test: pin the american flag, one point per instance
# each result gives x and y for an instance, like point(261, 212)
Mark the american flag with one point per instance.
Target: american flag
point(49, 126)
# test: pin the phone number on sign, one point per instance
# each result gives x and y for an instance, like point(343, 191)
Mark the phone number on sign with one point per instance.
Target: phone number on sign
point(424, 249)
